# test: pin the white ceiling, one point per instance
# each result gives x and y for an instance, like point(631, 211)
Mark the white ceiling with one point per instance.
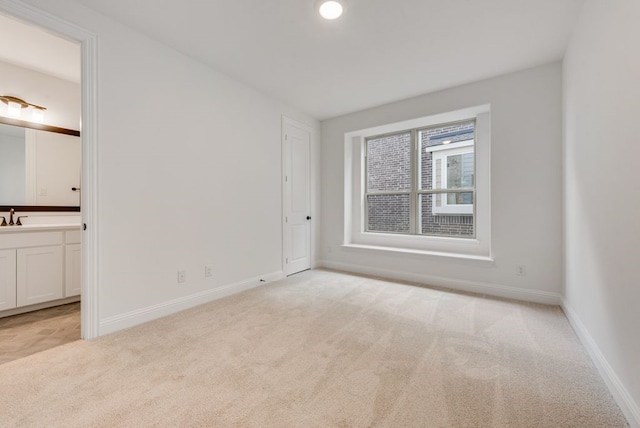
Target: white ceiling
point(380, 51)
point(33, 48)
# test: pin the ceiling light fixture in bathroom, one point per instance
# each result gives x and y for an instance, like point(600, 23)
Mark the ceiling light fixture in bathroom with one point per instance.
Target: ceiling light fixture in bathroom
point(15, 106)
point(331, 9)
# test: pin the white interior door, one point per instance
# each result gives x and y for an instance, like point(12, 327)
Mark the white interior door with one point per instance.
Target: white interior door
point(297, 222)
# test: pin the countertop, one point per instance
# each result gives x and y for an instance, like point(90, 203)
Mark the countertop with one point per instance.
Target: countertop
point(38, 227)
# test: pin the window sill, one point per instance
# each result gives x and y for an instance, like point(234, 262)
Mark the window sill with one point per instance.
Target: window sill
point(483, 260)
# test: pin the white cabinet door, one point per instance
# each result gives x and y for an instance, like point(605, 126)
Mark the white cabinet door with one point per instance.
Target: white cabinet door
point(39, 275)
point(7, 279)
point(72, 270)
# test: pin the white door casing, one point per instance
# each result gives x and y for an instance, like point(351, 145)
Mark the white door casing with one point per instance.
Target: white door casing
point(296, 146)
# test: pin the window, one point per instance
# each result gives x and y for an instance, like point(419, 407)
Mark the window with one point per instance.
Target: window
point(455, 170)
point(421, 186)
point(389, 183)
point(422, 181)
point(453, 167)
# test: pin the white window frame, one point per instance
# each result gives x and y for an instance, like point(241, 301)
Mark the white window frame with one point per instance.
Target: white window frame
point(442, 153)
point(355, 235)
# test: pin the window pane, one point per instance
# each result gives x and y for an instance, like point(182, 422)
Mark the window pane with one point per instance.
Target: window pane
point(446, 156)
point(454, 171)
point(446, 214)
point(388, 213)
point(389, 163)
point(465, 198)
point(459, 169)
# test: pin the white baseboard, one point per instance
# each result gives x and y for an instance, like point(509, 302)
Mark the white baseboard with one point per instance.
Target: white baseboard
point(150, 313)
point(38, 306)
point(535, 296)
point(629, 407)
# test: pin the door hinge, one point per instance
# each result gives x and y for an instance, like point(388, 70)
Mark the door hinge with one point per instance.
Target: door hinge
point(286, 137)
point(286, 219)
point(286, 178)
point(287, 260)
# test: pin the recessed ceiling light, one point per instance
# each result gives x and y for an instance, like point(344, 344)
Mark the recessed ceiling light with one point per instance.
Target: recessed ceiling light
point(331, 9)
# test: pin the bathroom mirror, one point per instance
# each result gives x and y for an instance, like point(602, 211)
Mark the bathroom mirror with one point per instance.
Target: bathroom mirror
point(39, 167)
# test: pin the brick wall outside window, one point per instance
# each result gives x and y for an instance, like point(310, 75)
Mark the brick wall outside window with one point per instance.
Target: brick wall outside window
point(389, 169)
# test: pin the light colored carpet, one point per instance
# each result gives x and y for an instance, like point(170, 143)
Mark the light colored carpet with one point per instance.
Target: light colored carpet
point(321, 349)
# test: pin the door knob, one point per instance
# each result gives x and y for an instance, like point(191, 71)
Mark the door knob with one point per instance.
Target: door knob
point(308, 217)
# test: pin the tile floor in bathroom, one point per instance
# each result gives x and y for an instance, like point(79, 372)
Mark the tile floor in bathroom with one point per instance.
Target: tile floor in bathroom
point(25, 334)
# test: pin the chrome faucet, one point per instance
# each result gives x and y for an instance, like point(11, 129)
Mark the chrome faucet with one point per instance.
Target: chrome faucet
point(11, 213)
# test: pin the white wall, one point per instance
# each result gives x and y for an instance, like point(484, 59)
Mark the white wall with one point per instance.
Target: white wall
point(60, 97)
point(526, 196)
point(189, 174)
point(602, 191)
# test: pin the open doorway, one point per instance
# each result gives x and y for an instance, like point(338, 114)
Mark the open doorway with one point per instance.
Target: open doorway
point(40, 172)
point(69, 232)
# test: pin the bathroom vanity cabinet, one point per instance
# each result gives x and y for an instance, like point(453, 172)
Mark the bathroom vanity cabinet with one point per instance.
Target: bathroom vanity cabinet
point(38, 266)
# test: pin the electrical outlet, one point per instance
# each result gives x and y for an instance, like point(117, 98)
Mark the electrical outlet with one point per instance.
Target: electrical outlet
point(521, 270)
point(208, 271)
point(182, 276)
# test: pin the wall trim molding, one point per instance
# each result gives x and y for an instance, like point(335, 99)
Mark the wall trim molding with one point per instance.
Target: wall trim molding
point(544, 297)
point(629, 407)
point(139, 316)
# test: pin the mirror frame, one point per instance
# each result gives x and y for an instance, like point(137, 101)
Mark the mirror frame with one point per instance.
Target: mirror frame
point(41, 127)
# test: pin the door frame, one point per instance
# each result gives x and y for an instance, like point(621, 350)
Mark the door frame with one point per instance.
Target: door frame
point(287, 121)
point(89, 134)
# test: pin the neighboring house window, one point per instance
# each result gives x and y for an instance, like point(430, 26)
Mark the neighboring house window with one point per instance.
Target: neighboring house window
point(453, 169)
point(422, 181)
